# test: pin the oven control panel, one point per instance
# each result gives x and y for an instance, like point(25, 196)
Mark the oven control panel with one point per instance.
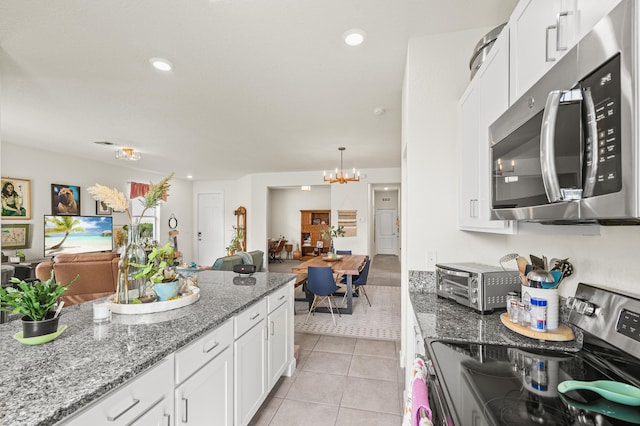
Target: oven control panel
point(629, 324)
point(614, 317)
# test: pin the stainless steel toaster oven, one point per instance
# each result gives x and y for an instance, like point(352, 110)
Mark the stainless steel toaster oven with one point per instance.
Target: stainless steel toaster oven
point(480, 287)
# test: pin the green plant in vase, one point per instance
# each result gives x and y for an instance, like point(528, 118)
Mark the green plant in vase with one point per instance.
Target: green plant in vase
point(133, 253)
point(330, 233)
point(158, 269)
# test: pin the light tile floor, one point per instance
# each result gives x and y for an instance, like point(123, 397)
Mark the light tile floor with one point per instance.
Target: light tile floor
point(339, 381)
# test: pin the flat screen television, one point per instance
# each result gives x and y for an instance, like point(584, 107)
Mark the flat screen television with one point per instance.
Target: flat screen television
point(77, 234)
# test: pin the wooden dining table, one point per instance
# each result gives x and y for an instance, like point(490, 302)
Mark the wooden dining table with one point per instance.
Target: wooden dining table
point(346, 264)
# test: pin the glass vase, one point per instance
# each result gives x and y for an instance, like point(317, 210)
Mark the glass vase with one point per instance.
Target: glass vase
point(130, 288)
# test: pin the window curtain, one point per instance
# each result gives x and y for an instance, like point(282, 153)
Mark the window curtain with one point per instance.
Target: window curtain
point(138, 190)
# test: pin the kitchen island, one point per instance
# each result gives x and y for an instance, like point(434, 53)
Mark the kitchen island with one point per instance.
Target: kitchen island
point(44, 384)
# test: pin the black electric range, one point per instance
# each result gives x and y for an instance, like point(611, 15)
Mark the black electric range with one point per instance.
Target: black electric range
point(476, 384)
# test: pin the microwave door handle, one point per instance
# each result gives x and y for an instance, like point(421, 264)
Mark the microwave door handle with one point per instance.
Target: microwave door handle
point(547, 147)
point(592, 138)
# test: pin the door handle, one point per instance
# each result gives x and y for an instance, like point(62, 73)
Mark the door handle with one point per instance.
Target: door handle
point(185, 408)
point(547, 58)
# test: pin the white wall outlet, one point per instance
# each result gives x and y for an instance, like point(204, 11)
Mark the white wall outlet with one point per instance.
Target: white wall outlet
point(432, 258)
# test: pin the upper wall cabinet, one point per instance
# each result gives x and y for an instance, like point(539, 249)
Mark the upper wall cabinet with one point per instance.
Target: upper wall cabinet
point(542, 31)
point(486, 98)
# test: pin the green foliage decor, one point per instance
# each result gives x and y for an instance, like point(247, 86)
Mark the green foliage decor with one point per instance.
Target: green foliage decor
point(33, 299)
point(158, 267)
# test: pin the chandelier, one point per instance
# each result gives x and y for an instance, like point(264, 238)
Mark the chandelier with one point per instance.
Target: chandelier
point(128, 154)
point(341, 176)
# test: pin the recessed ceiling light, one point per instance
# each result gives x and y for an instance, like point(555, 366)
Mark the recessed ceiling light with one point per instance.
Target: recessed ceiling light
point(386, 188)
point(189, 176)
point(161, 64)
point(354, 37)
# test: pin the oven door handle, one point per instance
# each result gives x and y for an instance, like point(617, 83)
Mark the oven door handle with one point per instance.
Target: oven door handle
point(445, 272)
point(547, 147)
point(592, 138)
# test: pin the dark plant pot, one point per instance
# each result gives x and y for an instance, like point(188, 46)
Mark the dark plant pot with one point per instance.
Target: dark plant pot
point(32, 328)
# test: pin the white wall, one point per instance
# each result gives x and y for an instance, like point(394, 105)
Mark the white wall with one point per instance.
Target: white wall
point(253, 193)
point(284, 210)
point(44, 168)
point(437, 73)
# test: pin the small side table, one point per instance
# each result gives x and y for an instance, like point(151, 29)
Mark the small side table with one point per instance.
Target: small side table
point(289, 249)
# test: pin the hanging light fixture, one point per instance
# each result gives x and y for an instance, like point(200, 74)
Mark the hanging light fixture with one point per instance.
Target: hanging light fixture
point(128, 154)
point(341, 176)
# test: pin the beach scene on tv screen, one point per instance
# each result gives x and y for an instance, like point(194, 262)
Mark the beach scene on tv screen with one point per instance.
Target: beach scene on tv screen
point(77, 234)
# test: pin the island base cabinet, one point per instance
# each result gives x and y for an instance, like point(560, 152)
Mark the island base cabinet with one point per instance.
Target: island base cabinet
point(250, 357)
point(206, 398)
point(279, 347)
point(146, 400)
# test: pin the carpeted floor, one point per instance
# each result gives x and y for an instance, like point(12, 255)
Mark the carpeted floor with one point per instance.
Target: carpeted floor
point(380, 321)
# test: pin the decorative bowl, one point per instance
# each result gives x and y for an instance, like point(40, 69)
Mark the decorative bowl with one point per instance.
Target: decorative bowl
point(166, 291)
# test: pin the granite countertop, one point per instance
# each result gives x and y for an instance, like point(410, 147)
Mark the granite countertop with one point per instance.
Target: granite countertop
point(441, 319)
point(43, 384)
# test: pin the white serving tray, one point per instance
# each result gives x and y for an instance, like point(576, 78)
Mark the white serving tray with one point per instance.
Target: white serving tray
point(149, 308)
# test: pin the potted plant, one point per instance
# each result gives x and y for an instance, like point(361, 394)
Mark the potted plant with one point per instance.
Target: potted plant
point(158, 271)
point(35, 302)
point(332, 232)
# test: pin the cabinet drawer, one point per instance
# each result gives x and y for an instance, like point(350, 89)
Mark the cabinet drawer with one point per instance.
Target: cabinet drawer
point(251, 316)
point(130, 401)
point(192, 357)
point(278, 298)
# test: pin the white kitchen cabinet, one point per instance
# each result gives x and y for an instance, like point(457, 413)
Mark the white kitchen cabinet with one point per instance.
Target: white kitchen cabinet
point(591, 11)
point(250, 361)
point(482, 103)
point(279, 334)
point(206, 398)
point(145, 400)
point(204, 375)
point(541, 32)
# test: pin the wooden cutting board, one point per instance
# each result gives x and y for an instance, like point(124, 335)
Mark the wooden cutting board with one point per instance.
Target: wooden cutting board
point(560, 334)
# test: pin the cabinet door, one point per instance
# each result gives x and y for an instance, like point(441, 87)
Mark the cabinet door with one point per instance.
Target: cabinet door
point(250, 384)
point(534, 43)
point(493, 79)
point(469, 142)
point(278, 342)
point(591, 11)
point(206, 397)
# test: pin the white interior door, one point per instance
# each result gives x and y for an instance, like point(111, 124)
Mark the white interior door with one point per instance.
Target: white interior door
point(210, 228)
point(386, 236)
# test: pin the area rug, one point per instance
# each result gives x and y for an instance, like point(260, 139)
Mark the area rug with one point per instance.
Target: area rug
point(381, 321)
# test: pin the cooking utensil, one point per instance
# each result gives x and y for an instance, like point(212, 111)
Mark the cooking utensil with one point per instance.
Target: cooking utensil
point(607, 408)
point(539, 276)
point(537, 262)
point(621, 393)
point(522, 267)
point(557, 275)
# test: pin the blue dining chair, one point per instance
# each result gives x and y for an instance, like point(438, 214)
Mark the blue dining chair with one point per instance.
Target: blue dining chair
point(343, 251)
point(321, 283)
point(360, 281)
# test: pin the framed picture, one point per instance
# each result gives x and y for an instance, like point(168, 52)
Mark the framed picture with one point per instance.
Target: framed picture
point(65, 199)
point(102, 209)
point(16, 198)
point(15, 236)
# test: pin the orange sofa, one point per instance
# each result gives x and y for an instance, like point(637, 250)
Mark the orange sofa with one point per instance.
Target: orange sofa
point(98, 275)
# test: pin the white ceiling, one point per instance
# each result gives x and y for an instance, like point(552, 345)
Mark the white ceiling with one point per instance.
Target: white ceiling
point(257, 85)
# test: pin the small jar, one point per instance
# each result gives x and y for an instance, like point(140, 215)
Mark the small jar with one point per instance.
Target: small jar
point(524, 318)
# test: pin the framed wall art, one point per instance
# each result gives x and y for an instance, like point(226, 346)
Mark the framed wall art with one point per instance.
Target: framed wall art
point(16, 198)
point(16, 236)
point(65, 199)
point(102, 209)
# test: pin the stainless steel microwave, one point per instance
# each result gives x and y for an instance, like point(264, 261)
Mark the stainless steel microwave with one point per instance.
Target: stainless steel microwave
point(567, 150)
